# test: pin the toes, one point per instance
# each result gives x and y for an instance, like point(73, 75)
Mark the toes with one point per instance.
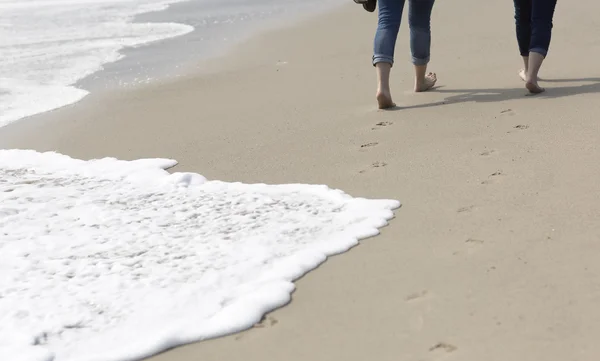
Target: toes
point(427, 83)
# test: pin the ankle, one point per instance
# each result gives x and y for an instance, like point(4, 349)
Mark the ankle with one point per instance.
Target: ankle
point(531, 78)
point(419, 81)
point(383, 90)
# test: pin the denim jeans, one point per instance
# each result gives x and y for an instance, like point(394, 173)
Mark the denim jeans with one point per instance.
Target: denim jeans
point(419, 19)
point(533, 20)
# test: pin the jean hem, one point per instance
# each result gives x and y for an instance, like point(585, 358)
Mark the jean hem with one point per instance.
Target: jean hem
point(420, 62)
point(382, 59)
point(540, 51)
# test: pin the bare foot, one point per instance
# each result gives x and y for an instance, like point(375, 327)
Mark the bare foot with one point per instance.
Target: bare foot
point(533, 87)
point(384, 100)
point(428, 82)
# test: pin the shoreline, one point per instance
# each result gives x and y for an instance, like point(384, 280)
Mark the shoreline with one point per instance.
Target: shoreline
point(491, 256)
point(177, 51)
point(175, 62)
point(139, 66)
point(57, 86)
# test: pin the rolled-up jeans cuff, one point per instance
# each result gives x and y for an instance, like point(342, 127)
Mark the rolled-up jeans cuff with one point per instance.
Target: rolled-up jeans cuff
point(541, 51)
point(417, 61)
point(382, 59)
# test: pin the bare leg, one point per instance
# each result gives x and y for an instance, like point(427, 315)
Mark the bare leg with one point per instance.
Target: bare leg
point(384, 94)
point(419, 19)
point(534, 65)
point(424, 82)
point(523, 72)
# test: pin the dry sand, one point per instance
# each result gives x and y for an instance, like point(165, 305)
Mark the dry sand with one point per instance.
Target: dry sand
point(493, 255)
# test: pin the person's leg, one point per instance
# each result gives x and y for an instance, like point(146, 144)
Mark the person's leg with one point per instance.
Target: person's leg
point(384, 94)
point(419, 19)
point(390, 15)
point(523, 29)
point(541, 32)
point(531, 78)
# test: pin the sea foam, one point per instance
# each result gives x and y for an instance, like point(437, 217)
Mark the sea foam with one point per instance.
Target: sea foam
point(111, 260)
point(47, 46)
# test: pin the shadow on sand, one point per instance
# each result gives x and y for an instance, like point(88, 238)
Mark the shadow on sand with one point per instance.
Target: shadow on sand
point(502, 94)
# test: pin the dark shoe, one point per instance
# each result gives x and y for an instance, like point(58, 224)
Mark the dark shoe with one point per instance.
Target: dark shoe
point(369, 5)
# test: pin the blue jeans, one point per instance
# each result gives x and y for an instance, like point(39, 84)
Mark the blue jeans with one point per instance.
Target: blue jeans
point(419, 19)
point(534, 25)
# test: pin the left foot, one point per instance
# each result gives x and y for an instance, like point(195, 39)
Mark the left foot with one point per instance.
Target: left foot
point(427, 83)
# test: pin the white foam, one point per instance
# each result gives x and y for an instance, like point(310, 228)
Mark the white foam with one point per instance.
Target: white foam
point(47, 46)
point(113, 260)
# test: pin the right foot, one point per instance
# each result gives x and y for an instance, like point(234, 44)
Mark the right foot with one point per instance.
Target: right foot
point(533, 87)
point(427, 83)
point(384, 100)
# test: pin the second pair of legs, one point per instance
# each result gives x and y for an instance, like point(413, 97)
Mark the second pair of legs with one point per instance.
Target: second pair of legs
point(419, 18)
point(534, 30)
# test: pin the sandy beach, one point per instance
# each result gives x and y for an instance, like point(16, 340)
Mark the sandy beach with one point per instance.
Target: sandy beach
point(492, 255)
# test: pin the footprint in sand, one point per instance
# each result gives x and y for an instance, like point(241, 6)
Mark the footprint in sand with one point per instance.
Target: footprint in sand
point(374, 165)
point(518, 127)
point(506, 113)
point(465, 209)
point(417, 296)
point(269, 321)
point(488, 152)
point(368, 145)
point(494, 177)
point(473, 245)
point(421, 308)
point(441, 349)
point(381, 125)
